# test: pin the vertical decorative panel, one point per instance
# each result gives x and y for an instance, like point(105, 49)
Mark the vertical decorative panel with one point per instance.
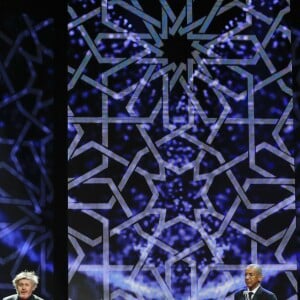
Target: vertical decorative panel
point(26, 150)
point(181, 154)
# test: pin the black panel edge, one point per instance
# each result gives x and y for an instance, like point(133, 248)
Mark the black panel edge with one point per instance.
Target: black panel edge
point(60, 154)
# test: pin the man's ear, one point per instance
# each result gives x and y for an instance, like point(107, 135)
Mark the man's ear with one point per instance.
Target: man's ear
point(260, 278)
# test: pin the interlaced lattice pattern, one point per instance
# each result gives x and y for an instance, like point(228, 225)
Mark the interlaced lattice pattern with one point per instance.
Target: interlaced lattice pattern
point(26, 148)
point(181, 158)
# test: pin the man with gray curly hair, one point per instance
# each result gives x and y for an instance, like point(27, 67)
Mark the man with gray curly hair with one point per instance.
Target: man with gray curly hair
point(25, 283)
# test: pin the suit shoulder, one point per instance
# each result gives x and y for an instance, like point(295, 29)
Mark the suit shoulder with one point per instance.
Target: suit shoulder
point(238, 294)
point(266, 291)
point(269, 293)
point(11, 297)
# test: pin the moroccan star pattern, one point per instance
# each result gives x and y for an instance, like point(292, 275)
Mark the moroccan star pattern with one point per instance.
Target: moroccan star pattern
point(26, 143)
point(181, 158)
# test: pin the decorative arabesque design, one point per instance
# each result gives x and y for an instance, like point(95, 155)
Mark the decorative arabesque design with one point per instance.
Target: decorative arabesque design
point(26, 148)
point(181, 159)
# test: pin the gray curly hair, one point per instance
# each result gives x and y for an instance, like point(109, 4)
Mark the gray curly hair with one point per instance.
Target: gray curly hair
point(30, 275)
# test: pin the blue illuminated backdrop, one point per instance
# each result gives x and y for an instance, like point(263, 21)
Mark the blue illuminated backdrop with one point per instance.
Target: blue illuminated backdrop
point(26, 148)
point(181, 153)
point(181, 148)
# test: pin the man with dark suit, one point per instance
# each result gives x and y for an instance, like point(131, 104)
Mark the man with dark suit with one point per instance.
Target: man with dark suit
point(25, 283)
point(254, 291)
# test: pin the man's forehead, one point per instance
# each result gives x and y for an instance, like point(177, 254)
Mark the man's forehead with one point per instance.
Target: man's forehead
point(24, 280)
point(251, 270)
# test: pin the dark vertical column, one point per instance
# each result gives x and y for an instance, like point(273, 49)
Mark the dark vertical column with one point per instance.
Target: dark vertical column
point(60, 154)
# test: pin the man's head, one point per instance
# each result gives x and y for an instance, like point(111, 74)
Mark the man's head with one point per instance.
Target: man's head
point(253, 276)
point(25, 283)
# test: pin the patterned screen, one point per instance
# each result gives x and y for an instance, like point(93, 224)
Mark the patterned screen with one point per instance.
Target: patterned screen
point(26, 148)
point(181, 148)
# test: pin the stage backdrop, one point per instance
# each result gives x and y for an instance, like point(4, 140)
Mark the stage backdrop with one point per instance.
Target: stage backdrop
point(26, 146)
point(180, 148)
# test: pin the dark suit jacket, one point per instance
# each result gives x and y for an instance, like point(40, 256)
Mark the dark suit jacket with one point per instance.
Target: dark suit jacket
point(261, 294)
point(15, 297)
